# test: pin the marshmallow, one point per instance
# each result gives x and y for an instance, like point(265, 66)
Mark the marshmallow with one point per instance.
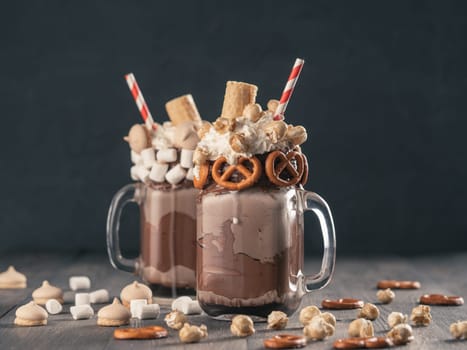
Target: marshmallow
point(81, 312)
point(82, 299)
point(136, 158)
point(79, 282)
point(191, 308)
point(149, 157)
point(144, 312)
point(99, 296)
point(177, 303)
point(189, 174)
point(135, 304)
point(175, 175)
point(139, 172)
point(53, 306)
point(168, 155)
point(186, 158)
point(158, 172)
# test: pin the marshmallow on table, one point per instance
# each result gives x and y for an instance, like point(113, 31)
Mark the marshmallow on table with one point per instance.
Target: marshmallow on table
point(175, 175)
point(145, 312)
point(99, 296)
point(135, 304)
point(79, 282)
point(136, 158)
point(189, 174)
point(177, 303)
point(139, 172)
point(53, 306)
point(81, 312)
point(148, 156)
point(168, 155)
point(82, 299)
point(158, 172)
point(187, 306)
point(186, 158)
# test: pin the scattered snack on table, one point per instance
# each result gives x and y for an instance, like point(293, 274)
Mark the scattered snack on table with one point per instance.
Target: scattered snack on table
point(82, 299)
point(136, 304)
point(342, 304)
point(45, 292)
point(459, 329)
point(421, 315)
point(363, 343)
point(285, 341)
point(329, 318)
point(12, 279)
point(385, 296)
point(53, 306)
point(361, 327)
point(242, 326)
point(318, 328)
point(114, 314)
point(81, 312)
point(396, 318)
point(175, 319)
point(79, 282)
point(135, 290)
point(31, 314)
point(395, 284)
point(439, 299)
point(277, 320)
point(401, 334)
point(149, 332)
point(99, 296)
point(145, 312)
point(307, 313)
point(192, 334)
point(369, 311)
point(187, 305)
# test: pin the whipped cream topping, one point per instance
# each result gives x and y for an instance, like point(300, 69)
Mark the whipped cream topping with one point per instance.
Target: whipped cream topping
point(114, 311)
point(31, 312)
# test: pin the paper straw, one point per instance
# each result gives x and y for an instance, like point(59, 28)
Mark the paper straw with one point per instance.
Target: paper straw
point(288, 90)
point(140, 102)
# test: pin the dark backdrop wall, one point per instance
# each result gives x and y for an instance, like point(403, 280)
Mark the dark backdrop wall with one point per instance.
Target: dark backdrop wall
point(383, 94)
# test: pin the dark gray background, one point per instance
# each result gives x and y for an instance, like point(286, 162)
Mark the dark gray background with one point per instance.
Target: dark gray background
point(382, 94)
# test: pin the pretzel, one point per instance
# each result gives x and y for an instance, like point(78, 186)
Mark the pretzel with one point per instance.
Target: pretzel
point(285, 341)
point(342, 304)
point(305, 170)
point(274, 171)
point(203, 176)
point(222, 171)
point(438, 299)
point(363, 343)
point(150, 332)
point(394, 284)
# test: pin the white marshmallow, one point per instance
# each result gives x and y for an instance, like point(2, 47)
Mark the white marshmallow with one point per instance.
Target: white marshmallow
point(158, 172)
point(79, 282)
point(189, 174)
point(136, 158)
point(144, 312)
point(99, 296)
point(82, 299)
point(135, 304)
point(177, 303)
point(186, 158)
point(81, 312)
point(139, 172)
point(149, 157)
point(168, 155)
point(175, 175)
point(53, 306)
point(191, 308)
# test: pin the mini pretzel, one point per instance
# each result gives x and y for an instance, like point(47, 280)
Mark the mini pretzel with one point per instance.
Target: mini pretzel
point(305, 170)
point(203, 176)
point(222, 172)
point(274, 170)
point(394, 284)
point(285, 341)
point(363, 343)
point(150, 332)
point(342, 304)
point(438, 299)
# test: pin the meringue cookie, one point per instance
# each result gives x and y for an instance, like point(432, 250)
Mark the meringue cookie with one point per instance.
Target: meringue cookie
point(135, 290)
point(12, 279)
point(186, 135)
point(114, 314)
point(31, 314)
point(46, 292)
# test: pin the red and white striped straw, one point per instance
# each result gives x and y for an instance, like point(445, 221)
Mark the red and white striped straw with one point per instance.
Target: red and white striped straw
point(288, 90)
point(140, 102)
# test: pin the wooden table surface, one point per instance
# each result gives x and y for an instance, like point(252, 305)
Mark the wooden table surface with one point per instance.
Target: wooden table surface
point(353, 278)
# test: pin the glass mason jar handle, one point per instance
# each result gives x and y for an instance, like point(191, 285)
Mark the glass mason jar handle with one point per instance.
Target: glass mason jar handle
point(125, 195)
point(313, 202)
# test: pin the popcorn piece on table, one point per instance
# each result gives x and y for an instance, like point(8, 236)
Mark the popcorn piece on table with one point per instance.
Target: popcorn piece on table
point(175, 175)
point(158, 172)
point(81, 312)
point(53, 306)
point(99, 296)
point(168, 155)
point(79, 282)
